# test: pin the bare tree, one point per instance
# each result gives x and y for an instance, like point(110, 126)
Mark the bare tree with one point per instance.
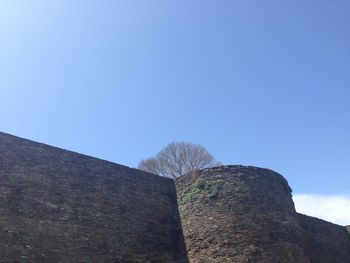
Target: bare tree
point(151, 165)
point(178, 158)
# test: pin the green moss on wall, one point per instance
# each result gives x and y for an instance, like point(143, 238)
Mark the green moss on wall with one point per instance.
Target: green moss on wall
point(201, 189)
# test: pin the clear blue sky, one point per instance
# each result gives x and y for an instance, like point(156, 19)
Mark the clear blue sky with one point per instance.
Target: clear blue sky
point(263, 83)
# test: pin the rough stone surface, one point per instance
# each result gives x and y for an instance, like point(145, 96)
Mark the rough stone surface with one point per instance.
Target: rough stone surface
point(246, 214)
point(60, 206)
point(325, 242)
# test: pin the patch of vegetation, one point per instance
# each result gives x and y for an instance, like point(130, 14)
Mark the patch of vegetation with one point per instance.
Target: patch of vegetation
point(201, 189)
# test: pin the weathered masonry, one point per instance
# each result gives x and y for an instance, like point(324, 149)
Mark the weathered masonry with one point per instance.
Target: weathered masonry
point(240, 214)
point(61, 206)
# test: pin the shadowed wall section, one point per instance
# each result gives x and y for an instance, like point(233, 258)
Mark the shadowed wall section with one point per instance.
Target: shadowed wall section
point(325, 242)
point(60, 206)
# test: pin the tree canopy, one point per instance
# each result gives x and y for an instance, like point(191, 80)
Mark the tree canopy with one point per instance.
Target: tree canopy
point(178, 158)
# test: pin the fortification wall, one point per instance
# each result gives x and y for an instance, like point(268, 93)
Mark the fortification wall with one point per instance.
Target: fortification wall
point(246, 214)
point(239, 214)
point(60, 206)
point(325, 242)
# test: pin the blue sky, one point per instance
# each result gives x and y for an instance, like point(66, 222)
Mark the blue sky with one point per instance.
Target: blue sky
point(261, 83)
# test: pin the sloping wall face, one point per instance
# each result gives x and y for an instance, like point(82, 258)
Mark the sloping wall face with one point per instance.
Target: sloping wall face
point(325, 242)
point(246, 214)
point(59, 206)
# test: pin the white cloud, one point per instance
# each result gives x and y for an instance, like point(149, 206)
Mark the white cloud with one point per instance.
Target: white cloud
point(332, 208)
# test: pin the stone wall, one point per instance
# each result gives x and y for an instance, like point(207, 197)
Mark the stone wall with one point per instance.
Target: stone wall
point(60, 206)
point(325, 242)
point(246, 214)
